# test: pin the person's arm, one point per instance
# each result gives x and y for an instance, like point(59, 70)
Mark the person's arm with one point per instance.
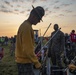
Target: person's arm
point(28, 44)
point(62, 37)
point(49, 47)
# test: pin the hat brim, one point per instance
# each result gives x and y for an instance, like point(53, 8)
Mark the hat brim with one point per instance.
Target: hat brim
point(37, 13)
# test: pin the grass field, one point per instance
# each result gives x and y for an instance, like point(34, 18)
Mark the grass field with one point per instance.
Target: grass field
point(7, 64)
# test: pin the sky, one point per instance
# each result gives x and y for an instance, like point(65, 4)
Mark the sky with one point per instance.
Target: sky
point(14, 12)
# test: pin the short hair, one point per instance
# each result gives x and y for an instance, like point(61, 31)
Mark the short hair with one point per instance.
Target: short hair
point(73, 31)
point(56, 25)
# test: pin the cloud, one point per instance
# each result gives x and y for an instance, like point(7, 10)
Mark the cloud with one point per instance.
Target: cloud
point(56, 2)
point(15, 0)
point(2, 6)
point(56, 16)
point(73, 0)
point(6, 2)
point(56, 7)
point(22, 12)
point(18, 6)
point(21, 1)
point(68, 11)
point(28, 10)
point(6, 11)
point(50, 11)
point(43, 0)
point(21, 5)
point(66, 4)
point(16, 10)
point(33, 1)
point(46, 14)
point(11, 5)
point(61, 15)
point(74, 15)
point(46, 9)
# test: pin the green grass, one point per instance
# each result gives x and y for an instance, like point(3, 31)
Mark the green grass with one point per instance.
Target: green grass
point(7, 64)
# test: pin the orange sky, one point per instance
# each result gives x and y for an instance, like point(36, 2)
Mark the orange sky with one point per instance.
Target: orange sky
point(14, 12)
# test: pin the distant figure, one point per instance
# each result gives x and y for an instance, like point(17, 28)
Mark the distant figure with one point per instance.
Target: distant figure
point(12, 48)
point(2, 40)
point(6, 40)
point(73, 36)
point(24, 52)
point(1, 53)
point(67, 46)
point(73, 43)
point(56, 46)
point(67, 41)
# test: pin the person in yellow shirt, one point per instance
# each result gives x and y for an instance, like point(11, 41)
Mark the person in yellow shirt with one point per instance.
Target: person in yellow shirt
point(24, 52)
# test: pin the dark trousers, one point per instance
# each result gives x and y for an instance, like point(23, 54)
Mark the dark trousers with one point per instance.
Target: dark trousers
point(55, 58)
point(25, 69)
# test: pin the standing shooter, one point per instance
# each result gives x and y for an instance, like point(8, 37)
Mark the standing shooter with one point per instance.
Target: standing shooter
point(56, 46)
point(24, 53)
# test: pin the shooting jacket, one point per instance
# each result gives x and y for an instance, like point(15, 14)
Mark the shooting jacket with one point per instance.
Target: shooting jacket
point(57, 42)
point(24, 52)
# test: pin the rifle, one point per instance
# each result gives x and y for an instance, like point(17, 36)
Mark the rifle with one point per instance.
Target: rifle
point(43, 36)
point(39, 45)
point(49, 40)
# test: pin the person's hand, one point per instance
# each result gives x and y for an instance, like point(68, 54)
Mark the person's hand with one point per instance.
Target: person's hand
point(71, 66)
point(38, 66)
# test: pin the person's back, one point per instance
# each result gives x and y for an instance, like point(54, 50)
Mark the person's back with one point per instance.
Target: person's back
point(21, 51)
point(56, 41)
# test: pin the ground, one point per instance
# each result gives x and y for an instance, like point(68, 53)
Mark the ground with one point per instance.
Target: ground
point(8, 64)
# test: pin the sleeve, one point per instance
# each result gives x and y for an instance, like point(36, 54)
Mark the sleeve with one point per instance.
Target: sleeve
point(62, 42)
point(28, 47)
point(75, 38)
point(49, 47)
